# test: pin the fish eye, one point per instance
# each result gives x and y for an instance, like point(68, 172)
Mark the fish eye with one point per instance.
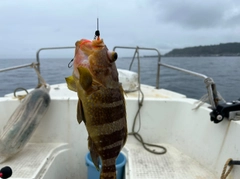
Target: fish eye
point(114, 56)
point(76, 43)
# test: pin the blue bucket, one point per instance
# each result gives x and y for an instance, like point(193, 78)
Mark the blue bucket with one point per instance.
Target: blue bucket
point(94, 174)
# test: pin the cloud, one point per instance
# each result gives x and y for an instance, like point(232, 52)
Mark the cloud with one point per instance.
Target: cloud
point(232, 18)
point(164, 24)
point(197, 14)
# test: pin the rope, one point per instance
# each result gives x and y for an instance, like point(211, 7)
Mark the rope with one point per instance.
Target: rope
point(224, 173)
point(41, 83)
point(213, 96)
point(41, 80)
point(237, 117)
point(140, 104)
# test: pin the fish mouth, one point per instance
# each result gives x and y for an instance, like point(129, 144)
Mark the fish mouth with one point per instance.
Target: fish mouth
point(97, 48)
point(84, 46)
point(82, 51)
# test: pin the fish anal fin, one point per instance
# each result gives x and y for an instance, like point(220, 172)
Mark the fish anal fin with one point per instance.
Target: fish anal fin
point(85, 78)
point(80, 112)
point(71, 83)
point(93, 153)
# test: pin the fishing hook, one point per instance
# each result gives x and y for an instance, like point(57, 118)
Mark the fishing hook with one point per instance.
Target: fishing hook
point(70, 64)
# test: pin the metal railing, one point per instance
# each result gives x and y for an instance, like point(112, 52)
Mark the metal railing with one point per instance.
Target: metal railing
point(17, 67)
point(48, 48)
point(37, 59)
point(137, 53)
point(159, 63)
point(211, 87)
point(212, 93)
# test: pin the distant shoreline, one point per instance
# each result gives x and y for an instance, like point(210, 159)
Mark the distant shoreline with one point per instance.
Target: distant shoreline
point(214, 55)
point(222, 49)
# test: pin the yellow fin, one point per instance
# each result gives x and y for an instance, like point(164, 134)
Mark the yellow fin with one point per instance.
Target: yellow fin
point(85, 78)
point(93, 152)
point(71, 83)
point(80, 112)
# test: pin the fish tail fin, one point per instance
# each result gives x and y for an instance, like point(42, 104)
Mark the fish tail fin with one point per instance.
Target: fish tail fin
point(108, 172)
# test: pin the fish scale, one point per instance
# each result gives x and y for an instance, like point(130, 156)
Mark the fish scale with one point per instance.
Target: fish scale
point(101, 103)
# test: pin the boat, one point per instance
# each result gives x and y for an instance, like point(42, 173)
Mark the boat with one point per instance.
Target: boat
point(169, 137)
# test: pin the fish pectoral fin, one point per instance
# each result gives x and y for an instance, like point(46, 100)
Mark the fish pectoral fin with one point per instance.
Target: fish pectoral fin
point(97, 84)
point(80, 112)
point(93, 153)
point(71, 83)
point(85, 79)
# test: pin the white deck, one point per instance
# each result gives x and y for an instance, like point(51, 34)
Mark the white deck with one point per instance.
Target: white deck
point(36, 158)
point(197, 148)
point(174, 164)
point(31, 162)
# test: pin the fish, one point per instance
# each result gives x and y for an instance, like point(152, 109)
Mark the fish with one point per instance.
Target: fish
point(101, 104)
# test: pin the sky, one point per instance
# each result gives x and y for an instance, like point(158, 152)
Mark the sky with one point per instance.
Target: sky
point(27, 25)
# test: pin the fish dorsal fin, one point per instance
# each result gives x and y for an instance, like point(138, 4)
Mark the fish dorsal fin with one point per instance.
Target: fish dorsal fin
point(80, 112)
point(71, 84)
point(85, 78)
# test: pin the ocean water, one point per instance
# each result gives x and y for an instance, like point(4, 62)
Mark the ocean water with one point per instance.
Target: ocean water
point(225, 72)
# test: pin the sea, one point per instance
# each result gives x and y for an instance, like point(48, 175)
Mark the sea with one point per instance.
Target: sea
point(225, 71)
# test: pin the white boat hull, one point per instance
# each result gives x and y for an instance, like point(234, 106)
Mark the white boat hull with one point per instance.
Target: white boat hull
point(196, 147)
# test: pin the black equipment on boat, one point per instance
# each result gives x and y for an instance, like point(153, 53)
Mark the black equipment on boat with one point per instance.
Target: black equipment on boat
point(229, 110)
point(5, 172)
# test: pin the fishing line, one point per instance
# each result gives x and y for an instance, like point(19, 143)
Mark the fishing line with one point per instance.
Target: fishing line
point(97, 5)
point(97, 32)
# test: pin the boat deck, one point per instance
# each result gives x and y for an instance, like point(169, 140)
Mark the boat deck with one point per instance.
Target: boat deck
point(36, 158)
point(32, 161)
point(174, 164)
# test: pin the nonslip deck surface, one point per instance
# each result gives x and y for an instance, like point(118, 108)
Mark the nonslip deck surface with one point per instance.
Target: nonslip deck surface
point(29, 161)
point(172, 165)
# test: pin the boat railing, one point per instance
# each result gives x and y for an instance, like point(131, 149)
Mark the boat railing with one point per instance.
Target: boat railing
point(18, 67)
point(49, 48)
point(211, 88)
point(37, 63)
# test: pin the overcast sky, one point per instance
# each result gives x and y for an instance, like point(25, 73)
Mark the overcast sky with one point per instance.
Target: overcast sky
point(27, 25)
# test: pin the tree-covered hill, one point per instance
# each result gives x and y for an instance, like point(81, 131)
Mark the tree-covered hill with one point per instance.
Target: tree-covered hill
point(223, 49)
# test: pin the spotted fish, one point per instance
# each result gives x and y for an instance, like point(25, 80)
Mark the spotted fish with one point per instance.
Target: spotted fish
point(101, 104)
